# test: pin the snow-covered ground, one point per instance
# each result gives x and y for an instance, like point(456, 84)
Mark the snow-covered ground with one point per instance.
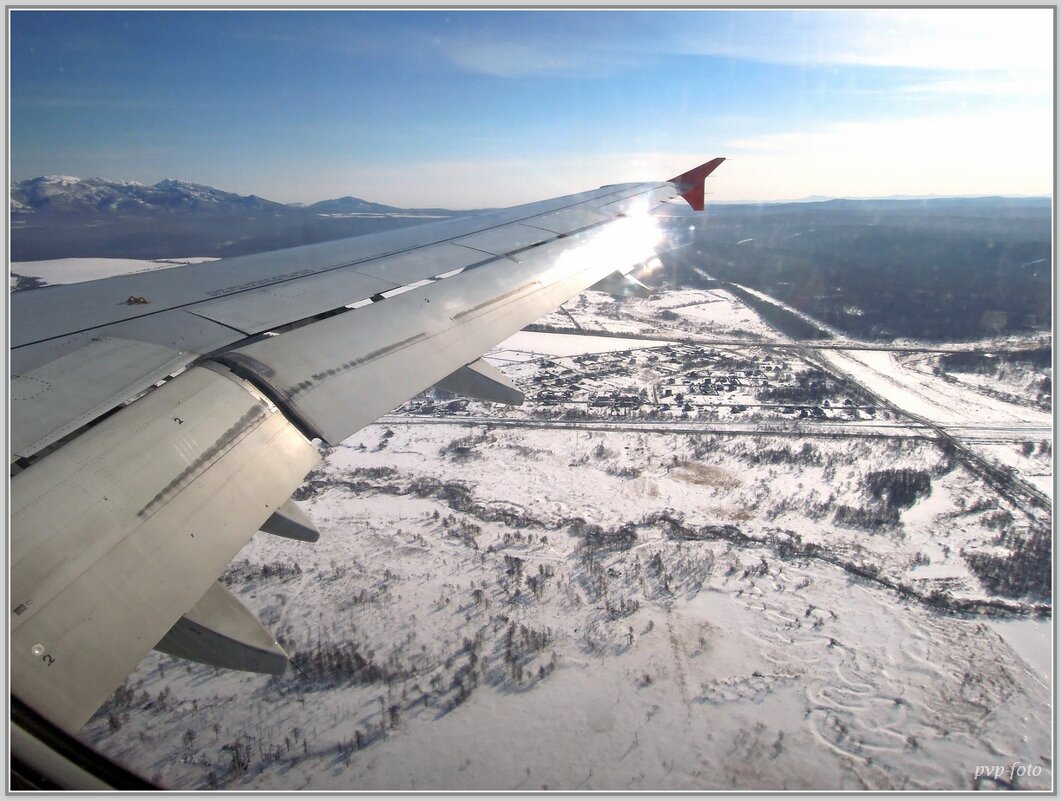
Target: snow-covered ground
point(644, 659)
point(73, 271)
point(1022, 383)
point(834, 332)
point(513, 650)
point(992, 425)
point(713, 312)
point(599, 603)
point(928, 396)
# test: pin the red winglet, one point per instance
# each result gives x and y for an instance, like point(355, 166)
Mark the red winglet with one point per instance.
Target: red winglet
point(691, 184)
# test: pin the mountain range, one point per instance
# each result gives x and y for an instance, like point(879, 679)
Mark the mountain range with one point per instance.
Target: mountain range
point(63, 194)
point(60, 216)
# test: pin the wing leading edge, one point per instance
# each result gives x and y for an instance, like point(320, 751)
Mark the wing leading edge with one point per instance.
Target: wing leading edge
point(124, 514)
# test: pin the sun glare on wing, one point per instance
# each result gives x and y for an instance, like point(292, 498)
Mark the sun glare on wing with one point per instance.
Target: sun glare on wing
point(623, 245)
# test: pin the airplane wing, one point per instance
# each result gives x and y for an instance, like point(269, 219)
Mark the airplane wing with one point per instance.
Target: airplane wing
point(159, 419)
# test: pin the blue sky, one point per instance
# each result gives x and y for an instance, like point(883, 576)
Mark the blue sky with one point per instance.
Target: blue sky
point(486, 108)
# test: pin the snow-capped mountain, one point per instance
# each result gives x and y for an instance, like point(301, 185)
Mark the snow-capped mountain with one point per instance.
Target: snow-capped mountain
point(60, 216)
point(67, 194)
point(350, 205)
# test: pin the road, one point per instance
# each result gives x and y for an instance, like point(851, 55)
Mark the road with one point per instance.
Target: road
point(804, 428)
point(682, 337)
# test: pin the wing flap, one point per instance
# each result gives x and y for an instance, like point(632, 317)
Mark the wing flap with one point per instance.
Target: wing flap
point(59, 386)
point(124, 529)
point(61, 396)
point(200, 308)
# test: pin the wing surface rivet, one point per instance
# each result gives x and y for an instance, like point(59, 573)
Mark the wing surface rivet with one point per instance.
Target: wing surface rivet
point(37, 649)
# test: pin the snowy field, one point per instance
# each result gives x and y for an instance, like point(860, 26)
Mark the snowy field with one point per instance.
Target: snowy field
point(834, 332)
point(927, 396)
point(693, 311)
point(817, 596)
point(1016, 383)
point(73, 271)
point(1008, 432)
point(495, 640)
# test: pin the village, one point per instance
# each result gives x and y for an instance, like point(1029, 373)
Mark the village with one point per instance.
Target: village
point(675, 381)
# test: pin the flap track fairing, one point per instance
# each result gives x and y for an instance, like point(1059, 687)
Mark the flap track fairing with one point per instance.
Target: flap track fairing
point(481, 381)
point(622, 286)
point(290, 521)
point(221, 631)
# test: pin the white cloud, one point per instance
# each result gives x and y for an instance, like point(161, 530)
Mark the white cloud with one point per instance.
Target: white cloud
point(948, 39)
point(983, 86)
point(942, 155)
point(520, 58)
point(965, 40)
point(946, 155)
point(961, 39)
